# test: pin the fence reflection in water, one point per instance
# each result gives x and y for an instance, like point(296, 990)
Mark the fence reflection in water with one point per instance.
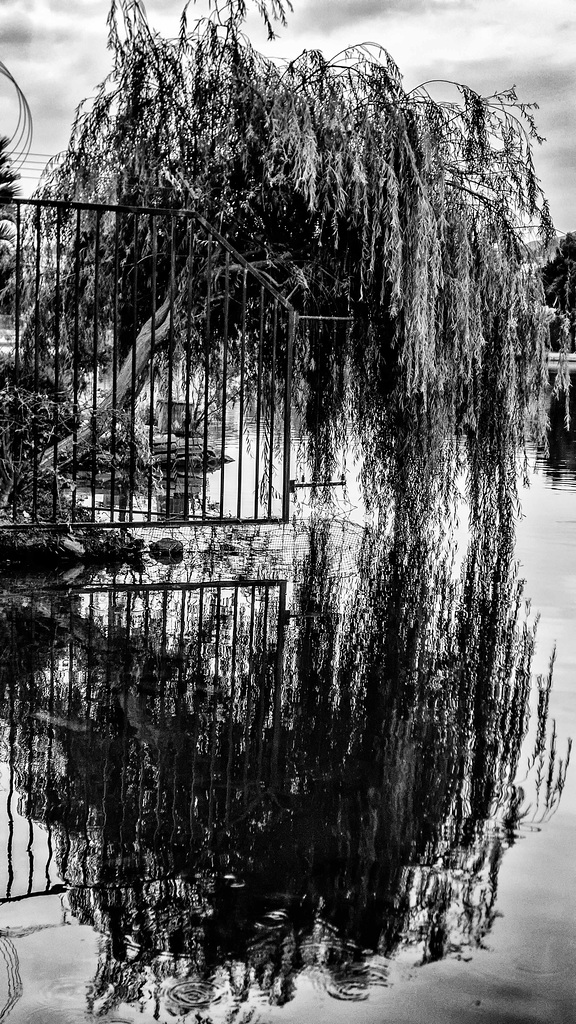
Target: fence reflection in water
point(173, 693)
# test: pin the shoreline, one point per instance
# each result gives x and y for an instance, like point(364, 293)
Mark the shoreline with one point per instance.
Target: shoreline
point(553, 359)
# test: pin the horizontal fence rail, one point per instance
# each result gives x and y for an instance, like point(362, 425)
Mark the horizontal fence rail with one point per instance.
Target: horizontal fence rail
point(145, 371)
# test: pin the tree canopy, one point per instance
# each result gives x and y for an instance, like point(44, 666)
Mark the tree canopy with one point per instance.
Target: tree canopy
point(8, 191)
point(357, 199)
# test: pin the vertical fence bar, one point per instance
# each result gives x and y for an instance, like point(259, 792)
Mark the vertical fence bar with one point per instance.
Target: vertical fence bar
point(89, 658)
point(140, 818)
point(113, 420)
point(125, 737)
point(249, 688)
point(76, 361)
point(233, 673)
point(216, 681)
point(207, 342)
point(94, 467)
point(56, 409)
point(37, 276)
point(30, 853)
point(291, 334)
point(171, 464)
point(181, 682)
point(65, 749)
point(278, 679)
point(188, 425)
point(48, 775)
point(65, 852)
point(200, 626)
point(163, 651)
point(196, 721)
point(263, 682)
point(35, 435)
point(15, 414)
point(160, 755)
point(242, 395)
point(132, 442)
point(111, 671)
point(272, 407)
point(259, 406)
point(153, 285)
point(224, 379)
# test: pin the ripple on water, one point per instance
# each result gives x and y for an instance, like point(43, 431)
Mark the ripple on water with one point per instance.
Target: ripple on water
point(272, 920)
point(133, 949)
point(347, 990)
point(354, 981)
point(56, 1015)
point(185, 994)
point(377, 971)
point(551, 962)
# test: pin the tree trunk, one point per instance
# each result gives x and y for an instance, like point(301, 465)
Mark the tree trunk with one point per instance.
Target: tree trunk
point(130, 374)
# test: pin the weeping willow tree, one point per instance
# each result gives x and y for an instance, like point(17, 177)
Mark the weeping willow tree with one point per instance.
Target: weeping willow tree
point(357, 199)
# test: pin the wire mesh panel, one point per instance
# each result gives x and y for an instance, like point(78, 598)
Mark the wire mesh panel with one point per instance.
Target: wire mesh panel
point(147, 376)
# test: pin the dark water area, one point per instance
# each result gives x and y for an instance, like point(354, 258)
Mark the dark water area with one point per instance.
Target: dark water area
point(558, 461)
point(309, 772)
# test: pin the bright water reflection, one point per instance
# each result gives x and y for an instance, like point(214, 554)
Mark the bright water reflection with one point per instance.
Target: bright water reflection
point(265, 791)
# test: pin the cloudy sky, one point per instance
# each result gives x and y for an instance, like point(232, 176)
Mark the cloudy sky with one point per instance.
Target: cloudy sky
point(56, 51)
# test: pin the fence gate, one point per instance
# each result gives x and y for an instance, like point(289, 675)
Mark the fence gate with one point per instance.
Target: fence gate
point(145, 371)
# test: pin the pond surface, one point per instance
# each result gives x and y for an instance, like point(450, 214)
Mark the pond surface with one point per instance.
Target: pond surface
point(306, 773)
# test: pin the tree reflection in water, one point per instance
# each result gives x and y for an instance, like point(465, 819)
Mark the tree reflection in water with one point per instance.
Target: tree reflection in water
point(246, 781)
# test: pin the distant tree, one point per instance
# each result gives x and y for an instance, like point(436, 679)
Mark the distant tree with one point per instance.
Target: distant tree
point(8, 176)
point(559, 276)
point(8, 191)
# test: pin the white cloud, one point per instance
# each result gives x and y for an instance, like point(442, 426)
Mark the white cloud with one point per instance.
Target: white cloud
point(332, 16)
point(489, 45)
point(16, 29)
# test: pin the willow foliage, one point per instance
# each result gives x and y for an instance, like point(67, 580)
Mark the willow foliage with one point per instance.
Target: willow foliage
point(358, 199)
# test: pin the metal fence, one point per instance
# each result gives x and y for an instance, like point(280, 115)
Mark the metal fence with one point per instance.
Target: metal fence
point(145, 371)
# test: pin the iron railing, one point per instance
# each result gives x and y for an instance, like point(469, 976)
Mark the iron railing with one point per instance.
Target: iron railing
point(147, 372)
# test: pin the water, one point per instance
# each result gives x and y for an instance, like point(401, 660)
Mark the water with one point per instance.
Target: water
point(243, 477)
point(303, 774)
